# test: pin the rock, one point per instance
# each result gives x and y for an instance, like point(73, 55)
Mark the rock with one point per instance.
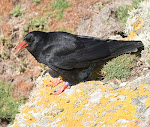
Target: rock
point(143, 99)
point(135, 101)
point(101, 24)
point(121, 97)
point(95, 97)
point(113, 85)
point(146, 121)
point(123, 84)
point(141, 80)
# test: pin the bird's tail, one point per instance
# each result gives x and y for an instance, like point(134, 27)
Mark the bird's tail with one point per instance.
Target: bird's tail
point(120, 47)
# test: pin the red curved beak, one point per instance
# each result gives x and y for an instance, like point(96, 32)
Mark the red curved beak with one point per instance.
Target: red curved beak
point(21, 46)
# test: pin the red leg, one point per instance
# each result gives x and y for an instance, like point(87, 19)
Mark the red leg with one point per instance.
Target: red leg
point(55, 82)
point(59, 91)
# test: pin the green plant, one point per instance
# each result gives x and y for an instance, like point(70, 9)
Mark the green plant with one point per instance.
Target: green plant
point(43, 66)
point(17, 11)
point(37, 1)
point(148, 62)
point(9, 105)
point(45, 8)
point(5, 55)
point(59, 6)
point(119, 67)
point(5, 46)
point(23, 63)
point(20, 69)
point(2, 38)
point(136, 3)
point(100, 7)
point(36, 24)
point(5, 42)
point(122, 11)
point(106, 21)
point(48, 15)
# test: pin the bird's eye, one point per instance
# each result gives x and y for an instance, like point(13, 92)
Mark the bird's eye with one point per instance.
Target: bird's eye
point(31, 39)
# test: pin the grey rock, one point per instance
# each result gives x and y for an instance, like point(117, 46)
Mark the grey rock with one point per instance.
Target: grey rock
point(95, 97)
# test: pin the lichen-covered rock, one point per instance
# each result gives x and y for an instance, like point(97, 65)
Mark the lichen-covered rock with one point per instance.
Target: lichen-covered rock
point(86, 104)
point(138, 25)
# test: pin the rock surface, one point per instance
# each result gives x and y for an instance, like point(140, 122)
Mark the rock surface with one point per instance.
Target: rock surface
point(86, 104)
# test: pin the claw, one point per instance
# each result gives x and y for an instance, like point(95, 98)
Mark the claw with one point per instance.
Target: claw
point(55, 82)
point(59, 91)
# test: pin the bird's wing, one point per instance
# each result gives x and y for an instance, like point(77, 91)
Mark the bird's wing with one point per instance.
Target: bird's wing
point(83, 57)
point(83, 52)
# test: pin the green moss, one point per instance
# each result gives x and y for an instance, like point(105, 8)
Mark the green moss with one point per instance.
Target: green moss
point(9, 105)
point(37, 23)
point(59, 6)
point(136, 3)
point(122, 13)
point(37, 1)
point(119, 67)
point(17, 11)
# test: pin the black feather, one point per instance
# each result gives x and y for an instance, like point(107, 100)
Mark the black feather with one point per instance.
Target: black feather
point(72, 55)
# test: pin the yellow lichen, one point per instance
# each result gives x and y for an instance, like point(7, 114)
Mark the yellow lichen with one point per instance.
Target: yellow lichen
point(147, 102)
point(47, 80)
point(73, 112)
point(126, 111)
point(138, 24)
point(29, 119)
point(25, 109)
point(15, 125)
point(132, 35)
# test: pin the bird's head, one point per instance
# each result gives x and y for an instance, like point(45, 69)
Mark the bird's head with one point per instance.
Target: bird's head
point(31, 41)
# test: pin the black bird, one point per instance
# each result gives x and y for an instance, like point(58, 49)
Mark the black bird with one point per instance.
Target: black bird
point(74, 57)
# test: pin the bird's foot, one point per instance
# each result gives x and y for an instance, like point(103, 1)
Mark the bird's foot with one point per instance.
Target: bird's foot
point(61, 89)
point(55, 82)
